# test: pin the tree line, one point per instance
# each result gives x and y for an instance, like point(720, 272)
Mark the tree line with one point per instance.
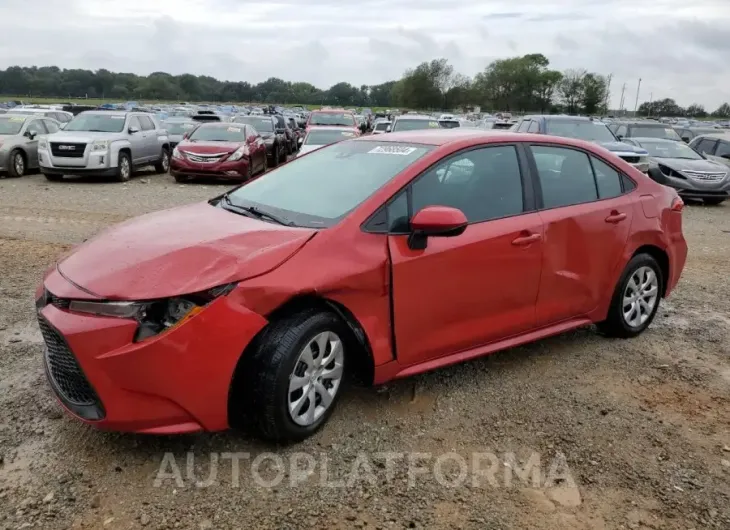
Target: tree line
point(515, 84)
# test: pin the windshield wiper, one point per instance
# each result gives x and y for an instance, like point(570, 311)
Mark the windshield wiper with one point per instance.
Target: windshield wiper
point(256, 212)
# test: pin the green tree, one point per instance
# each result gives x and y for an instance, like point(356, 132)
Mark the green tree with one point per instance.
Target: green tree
point(723, 111)
point(696, 110)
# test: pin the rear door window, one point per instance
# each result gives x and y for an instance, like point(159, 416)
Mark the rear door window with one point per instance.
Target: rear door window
point(146, 122)
point(723, 149)
point(565, 175)
point(534, 127)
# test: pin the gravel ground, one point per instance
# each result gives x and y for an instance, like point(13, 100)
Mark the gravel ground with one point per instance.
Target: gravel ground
point(630, 434)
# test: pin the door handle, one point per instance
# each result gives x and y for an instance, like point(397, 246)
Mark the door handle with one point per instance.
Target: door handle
point(615, 217)
point(527, 239)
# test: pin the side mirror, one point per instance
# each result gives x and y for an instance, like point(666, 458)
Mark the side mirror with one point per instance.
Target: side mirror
point(30, 135)
point(620, 137)
point(186, 136)
point(435, 221)
point(62, 126)
point(388, 128)
point(133, 130)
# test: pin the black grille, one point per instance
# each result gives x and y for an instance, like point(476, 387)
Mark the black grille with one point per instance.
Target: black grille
point(60, 303)
point(68, 150)
point(66, 374)
point(631, 159)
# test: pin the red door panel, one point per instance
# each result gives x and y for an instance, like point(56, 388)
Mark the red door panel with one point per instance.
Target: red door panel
point(464, 291)
point(582, 247)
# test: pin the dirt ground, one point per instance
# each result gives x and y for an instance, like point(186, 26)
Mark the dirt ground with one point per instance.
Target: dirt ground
point(639, 430)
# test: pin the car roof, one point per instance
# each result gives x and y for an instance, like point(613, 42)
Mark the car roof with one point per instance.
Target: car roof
point(331, 111)
point(724, 135)
point(11, 115)
point(446, 136)
point(415, 117)
point(106, 112)
point(560, 117)
point(649, 139)
point(329, 128)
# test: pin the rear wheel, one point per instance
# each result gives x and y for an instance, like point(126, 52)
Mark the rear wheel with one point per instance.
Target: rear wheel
point(713, 201)
point(636, 298)
point(17, 167)
point(266, 165)
point(163, 164)
point(276, 156)
point(286, 387)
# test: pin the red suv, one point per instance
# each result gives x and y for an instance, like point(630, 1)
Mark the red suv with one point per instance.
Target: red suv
point(219, 150)
point(379, 257)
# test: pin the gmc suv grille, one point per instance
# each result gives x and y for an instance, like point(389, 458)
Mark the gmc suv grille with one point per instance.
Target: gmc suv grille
point(68, 150)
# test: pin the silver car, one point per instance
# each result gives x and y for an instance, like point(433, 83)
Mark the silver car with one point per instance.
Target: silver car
point(19, 135)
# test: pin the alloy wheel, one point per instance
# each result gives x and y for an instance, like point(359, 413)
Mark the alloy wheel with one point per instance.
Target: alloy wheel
point(124, 168)
point(640, 296)
point(316, 378)
point(19, 164)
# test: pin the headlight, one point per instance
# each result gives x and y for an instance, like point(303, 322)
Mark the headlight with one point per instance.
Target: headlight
point(100, 145)
point(240, 152)
point(176, 153)
point(42, 144)
point(157, 316)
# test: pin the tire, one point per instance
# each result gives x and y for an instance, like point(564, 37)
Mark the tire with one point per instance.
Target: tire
point(288, 148)
point(276, 156)
point(124, 168)
point(264, 388)
point(636, 271)
point(53, 177)
point(713, 202)
point(17, 165)
point(266, 165)
point(163, 164)
point(249, 172)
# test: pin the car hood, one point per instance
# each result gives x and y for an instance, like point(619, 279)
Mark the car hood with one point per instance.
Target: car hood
point(205, 148)
point(179, 251)
point(308, 148)
point(680, 164)
point(82, 136)
point(616, 147)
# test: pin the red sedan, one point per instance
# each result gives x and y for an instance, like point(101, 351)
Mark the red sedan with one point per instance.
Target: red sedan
point(379, 257)
point(219, 150)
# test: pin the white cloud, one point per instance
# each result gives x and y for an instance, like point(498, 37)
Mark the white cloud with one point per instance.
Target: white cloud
point(678, 48)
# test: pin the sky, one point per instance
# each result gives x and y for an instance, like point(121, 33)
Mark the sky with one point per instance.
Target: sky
point(679, 48)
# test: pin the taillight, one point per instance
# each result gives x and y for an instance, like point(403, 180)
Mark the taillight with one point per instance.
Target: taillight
point(677, 204)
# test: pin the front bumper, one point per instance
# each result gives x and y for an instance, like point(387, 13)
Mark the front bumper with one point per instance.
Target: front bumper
point(691, 189)
point(176, 382)
point(227, 170)
point(96, 163)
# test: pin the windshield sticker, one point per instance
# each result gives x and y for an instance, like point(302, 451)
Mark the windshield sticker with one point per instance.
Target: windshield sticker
point(434, 124)
point(345, 133)
point(392, 150)
point(117, 117)
point(669, 131)
point(234, 129)
point(188, 126)
point(17, 119)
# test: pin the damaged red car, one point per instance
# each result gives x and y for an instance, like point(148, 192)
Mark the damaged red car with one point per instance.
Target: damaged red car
point(376, 258)
point(219, 150)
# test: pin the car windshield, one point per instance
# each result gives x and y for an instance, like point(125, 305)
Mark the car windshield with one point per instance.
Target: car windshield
point(332, 118)
point(580, 130)
point(178, 127)
point(327, 137)
point(449, 124)
point(321, 188)
point(415, 125)
point(111, 123)
point(670, 150)
point(10, 125)
point(383, 125)
point(639, 131)
point(217, 133)
point(260, 124)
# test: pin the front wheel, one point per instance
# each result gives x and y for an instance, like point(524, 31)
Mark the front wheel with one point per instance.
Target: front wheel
point(290, 381)
point(17, 164)
point(276, 156)
point(124, 168)
point(636, 298)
